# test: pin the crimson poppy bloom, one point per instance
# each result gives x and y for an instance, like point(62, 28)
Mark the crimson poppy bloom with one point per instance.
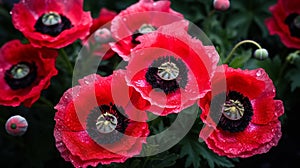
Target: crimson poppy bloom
point(245, 122)
point(91, 128)
point(100, 35)
point(52, 23)
point(24, 72)
point(140, 18)
point(170, 69)
point(285, 22)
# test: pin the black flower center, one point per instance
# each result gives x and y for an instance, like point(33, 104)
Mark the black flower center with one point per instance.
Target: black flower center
point(168, 74)
point(144, 29)
point(106, 124)
point(52, 24)
point(21, 75)
point(235, 114)
point(293, 21)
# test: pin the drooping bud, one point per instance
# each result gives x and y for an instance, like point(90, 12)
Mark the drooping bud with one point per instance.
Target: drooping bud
point(16, 125)
point(221, 5)
point(261, 54)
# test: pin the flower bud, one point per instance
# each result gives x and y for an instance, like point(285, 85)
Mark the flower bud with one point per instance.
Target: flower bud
point(16, 125)
point(102, 35)
point(261, 54)
point(221, 4)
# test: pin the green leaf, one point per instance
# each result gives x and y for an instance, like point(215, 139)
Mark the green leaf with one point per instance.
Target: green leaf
point(196, 154)
point(240, 60)
point(213, 159)
point(165, 161)
point(293, 75)
point(191, 150)
point(273, 71)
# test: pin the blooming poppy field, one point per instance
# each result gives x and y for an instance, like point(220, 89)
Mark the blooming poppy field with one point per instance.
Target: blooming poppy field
point(149, 83)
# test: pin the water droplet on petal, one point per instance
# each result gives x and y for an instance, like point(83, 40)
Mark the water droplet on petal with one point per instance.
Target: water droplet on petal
point(258, 73)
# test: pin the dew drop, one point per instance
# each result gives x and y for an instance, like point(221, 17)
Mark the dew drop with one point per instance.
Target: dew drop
point(67, 96)
point(258, 73)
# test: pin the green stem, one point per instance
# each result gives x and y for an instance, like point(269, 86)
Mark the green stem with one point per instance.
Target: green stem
point(47, 102)
point(4, 13)
point(289, 59)
point(65, 58)
point(230, 55)
point(211, 13)
point(2, 120)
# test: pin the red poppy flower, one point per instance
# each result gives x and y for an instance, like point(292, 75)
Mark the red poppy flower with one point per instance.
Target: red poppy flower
point(170, 69)
point(241, 121)
point(91, 128)
point(52, 23)
point(24, 72)
point(100, 35)
point(140, 18)
point(286, 22)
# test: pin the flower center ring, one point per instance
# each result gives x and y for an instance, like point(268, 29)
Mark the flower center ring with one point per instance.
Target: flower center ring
point(146, 28)
point(106, 123)
point(233, 110)
point(20, 71)
point(51, 18)
point(168, 71)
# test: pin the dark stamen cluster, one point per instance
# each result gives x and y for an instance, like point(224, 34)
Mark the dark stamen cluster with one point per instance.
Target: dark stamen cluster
point(216, 112)
point(168, 86)
point(21, 83)
point(290, 21)
point(52, 30)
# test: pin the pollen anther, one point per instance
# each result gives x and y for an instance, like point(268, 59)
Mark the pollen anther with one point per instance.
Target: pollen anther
point(106, 123)
point(51, 18)
point(233, 110)
point(168, 71)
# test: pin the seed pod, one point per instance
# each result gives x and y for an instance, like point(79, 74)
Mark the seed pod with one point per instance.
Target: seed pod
point(16, 125)
point(103, 35)
point(261, 54)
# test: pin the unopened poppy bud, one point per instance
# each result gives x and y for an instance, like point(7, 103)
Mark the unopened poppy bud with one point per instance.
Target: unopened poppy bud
point(261, 54)
point(16, 125)
point(102, 35)
point(221, 4)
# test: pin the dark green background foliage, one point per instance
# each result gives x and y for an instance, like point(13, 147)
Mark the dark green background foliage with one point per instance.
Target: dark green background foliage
point(243, 20)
